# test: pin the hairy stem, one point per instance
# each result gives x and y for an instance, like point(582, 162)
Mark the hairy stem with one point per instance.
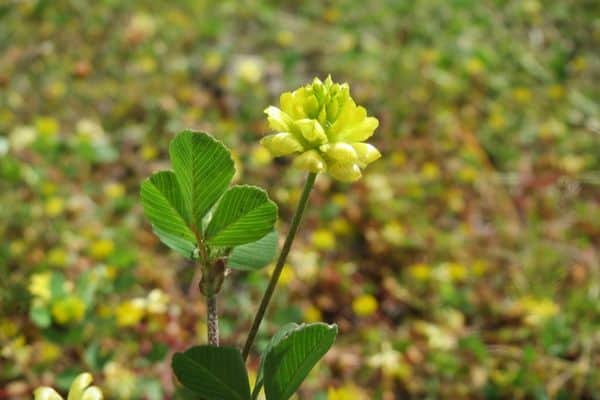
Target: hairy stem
point(212, 318)
point(310, 181)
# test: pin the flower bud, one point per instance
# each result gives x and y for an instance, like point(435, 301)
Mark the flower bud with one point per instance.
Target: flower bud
point(281, 144)
point(81, 382)
point(344, 172)
point(312, 131)
point(46, 393)
point(310, 161)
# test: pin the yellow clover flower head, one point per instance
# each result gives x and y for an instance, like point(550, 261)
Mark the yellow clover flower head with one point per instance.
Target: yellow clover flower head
point(322, 123)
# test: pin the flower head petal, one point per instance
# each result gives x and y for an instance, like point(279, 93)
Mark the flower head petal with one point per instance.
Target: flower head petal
point(92, 393)
point(46, 393)
point(311, 130)
point(278, 120)
point(281, 144)
point(81, 382)
point(310, 161)
point(366, 153)
point(342, 152)
point(344, 172)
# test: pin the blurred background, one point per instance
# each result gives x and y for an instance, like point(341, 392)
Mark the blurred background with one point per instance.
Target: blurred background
point(464, 265)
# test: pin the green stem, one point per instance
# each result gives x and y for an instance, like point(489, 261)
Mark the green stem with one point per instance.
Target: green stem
point(310, 181)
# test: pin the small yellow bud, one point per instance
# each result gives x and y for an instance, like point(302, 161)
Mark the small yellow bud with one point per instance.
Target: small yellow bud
point(310, 161)
point(366, 153)
point(342, 152)
point(81, 382)
point(278, 120)
point(311, 130)
point(46, 393)
point(364, 305)
point(345, 172)
point(281, 144)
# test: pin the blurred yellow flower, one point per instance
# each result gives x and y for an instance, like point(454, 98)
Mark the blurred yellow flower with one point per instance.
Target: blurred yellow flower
point(17, 247)
point(556, 91)
point(250, 69)
point(340, 200)
point(157, 301)
point(323, 239)
point(260, 156)
point(341, 226)
point(68, 309)
point(398, 158)
point(522, 95)
point(474, 66)
point(114, 190)
point(322, 123)
point(287, 274)
point(347, 392)
point(130, 312)
point(364, 305)
point(54, 206)
point(102, 248)
point(48, 188)
point(456, 271)
point(148, 152)
point(57, 257)
point(467, 174)
point(437, 337)
point(121, 382)
point(48, 351)
point(572, 163)
point(312, 314)
point(39, 285)
point(389, 361)
point(538, 310)
point(430, 171)
point(46, 126)
point(394, 233)
point(420, 271)
point(497, 120)
point(285, 38)
point(140, 27)
point(579, 64)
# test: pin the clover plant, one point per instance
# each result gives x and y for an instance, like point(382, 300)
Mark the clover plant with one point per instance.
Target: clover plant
point(195, 211)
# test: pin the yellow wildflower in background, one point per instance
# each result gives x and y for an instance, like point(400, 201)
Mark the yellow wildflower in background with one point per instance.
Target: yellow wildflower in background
point(102, 248)
point(121, 382)
point(68, 309)
point(323, 239)
point(57, 257)
point(39, 285)
point(80, 390)
point(46, 126)
point(346, 392)
point(537, 311)
point(322, 123)
point(394, 233)
point(54, 206)
point(157, 301)
point(364, 305)
point(114, 190)
point(130, 312)
point(312, 314)
point(420, 271)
